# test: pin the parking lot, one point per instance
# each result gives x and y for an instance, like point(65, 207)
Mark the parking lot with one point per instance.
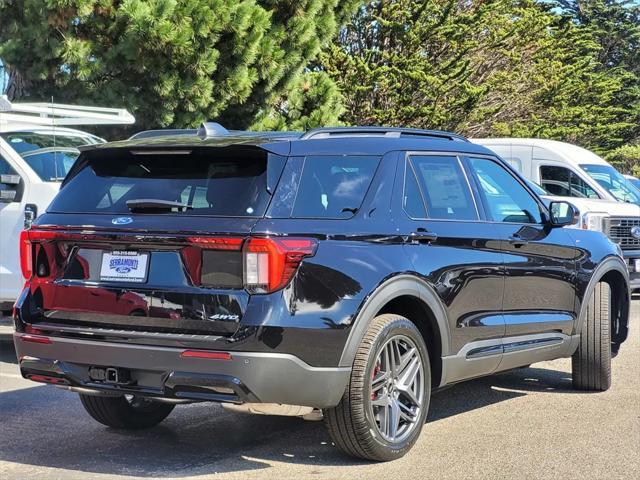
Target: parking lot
point(527, 423)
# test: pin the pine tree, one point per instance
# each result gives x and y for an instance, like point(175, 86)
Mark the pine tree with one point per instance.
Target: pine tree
point(614, 25)
point(172, 62)
point(499, 67)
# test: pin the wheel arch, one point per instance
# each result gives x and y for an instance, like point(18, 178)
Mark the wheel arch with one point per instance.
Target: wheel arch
point(612, 271)
point(408, 296)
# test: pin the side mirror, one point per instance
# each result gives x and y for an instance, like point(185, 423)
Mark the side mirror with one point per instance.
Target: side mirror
point(8, 195)
point(562, 214)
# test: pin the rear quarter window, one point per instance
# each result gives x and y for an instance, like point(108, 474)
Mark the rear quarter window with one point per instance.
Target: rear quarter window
point(333, 186)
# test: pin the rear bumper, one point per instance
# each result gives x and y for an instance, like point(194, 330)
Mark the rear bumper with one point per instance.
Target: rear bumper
point(162, 372)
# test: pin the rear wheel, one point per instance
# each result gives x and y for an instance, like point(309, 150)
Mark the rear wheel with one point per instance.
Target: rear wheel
point(591, 363)
point(126, 412)
point(385, 405)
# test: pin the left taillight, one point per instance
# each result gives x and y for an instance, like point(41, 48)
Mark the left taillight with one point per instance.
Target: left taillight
point(29, 239)
point(26, 255)
point(270, 263)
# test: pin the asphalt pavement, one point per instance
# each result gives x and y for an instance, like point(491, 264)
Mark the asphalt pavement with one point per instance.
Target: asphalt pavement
point(527, 423)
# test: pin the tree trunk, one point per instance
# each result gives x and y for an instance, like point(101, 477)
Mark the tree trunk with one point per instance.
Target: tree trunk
point(17, 85)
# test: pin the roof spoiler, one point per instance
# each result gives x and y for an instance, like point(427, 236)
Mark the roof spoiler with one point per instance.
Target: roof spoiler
point(60, 115)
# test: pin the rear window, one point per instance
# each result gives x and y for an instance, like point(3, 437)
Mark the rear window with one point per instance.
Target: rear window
point(229, 182)
point(333, 186)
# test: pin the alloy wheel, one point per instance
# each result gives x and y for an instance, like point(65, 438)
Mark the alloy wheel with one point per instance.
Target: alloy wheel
point(397, 388)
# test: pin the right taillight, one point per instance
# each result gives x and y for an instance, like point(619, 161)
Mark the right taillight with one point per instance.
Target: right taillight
point(270, 263)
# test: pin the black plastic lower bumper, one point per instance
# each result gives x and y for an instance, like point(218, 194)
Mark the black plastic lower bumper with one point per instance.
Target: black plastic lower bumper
point(165, 372)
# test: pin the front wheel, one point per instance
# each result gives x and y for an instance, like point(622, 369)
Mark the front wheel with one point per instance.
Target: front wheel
point(384, 407)
point(591, 362)
point(126, 412)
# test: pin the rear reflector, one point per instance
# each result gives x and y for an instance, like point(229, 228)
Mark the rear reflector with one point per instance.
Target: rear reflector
point(47, 379)
point(205, 354)
point(35, 339)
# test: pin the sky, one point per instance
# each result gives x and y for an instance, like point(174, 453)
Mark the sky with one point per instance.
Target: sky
point(3, 79)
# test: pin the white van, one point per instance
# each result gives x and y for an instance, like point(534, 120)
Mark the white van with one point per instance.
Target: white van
point(36, 152)
point(604, 197)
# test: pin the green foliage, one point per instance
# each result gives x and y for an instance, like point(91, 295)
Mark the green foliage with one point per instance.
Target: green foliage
point(626, 159)
point(614, 25)
point(486, 68)
point(563, 69)
point(312, 101)
point(172, 62)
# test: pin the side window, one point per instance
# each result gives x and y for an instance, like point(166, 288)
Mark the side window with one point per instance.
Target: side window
point(333, 186)
point(581, 187)
point(555, 180)
point(6, 169)
point(563, 182)
point(444, 187)
point(506, 198)
point(412, 200)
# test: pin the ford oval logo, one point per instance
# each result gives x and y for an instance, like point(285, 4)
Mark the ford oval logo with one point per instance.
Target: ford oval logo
point(635, 231)
point(122, 220)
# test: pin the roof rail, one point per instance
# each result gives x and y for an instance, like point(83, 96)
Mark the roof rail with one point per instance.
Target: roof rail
point(57, 114)
point(394, 132)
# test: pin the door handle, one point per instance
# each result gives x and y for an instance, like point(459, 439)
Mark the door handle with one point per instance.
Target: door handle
point(422, 236)
point(517, 241)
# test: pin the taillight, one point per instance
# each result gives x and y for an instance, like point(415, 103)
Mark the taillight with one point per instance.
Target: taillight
point(270, 263)
point(27, 240)
point(26, 255)
point(217, 243)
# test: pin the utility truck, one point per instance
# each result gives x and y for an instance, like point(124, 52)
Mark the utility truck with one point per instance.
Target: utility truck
point(37, 149)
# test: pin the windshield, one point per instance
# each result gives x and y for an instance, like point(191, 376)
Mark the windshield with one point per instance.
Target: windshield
point(50, 154)
point(613, 182)
point(635, 182)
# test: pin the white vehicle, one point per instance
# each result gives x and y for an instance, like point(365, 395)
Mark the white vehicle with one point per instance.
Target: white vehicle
point(633, 180)
point(36, 152)
point(604, 197)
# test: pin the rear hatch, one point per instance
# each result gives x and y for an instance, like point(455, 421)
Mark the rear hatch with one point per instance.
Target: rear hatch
point(150, 240)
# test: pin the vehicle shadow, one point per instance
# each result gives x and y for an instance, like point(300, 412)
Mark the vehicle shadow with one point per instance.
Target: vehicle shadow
point(47, 427)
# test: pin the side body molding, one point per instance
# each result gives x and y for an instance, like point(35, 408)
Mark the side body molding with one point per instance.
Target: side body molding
point(403, 284)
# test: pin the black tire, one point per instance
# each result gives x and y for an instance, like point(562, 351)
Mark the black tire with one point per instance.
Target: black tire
point(352, 423)
point(130, 414)
point(591, 362)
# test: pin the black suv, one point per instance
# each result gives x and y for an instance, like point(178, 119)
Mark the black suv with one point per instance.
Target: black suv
point(351, 270)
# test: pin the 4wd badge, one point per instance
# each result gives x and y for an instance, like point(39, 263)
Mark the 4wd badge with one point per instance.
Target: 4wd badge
point(223, 316)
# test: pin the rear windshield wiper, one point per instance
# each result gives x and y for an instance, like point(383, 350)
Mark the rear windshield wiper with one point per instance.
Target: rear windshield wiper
point(156, 205)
